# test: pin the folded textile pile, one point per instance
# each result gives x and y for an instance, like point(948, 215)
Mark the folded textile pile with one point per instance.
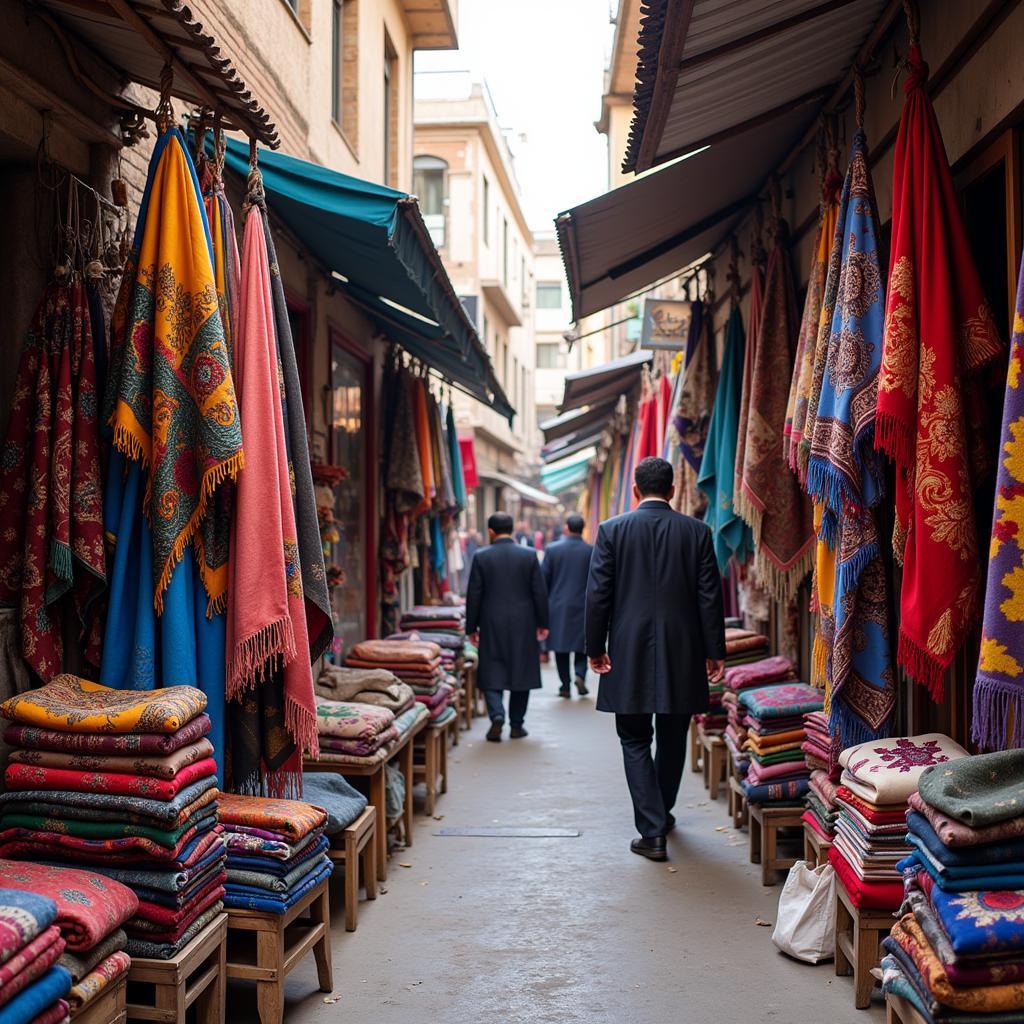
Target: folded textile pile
point(375, 686)
point(347, 727)
point(736, 731)
point(879, 777)
point(416, 663)
point(716, 719)
point(817, 747)
point(76, 943)
point(340, 801)
point(751, 675)
point(444, 625)
point(958, 948)
point(774, 720)
point(122, 781)
point(822, 807)
point(277, 851)
point(743, 646)
point(401, 725)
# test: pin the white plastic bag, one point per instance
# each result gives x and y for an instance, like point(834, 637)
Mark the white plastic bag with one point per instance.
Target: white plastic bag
point(806, 926)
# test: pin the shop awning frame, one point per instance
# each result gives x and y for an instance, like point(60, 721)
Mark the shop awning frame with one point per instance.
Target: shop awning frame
point(373, 241)
point(525, 490)
point(607, 381)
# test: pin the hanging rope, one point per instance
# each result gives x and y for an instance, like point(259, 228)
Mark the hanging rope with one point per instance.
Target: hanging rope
point(913, 16)
point(254, 185)
point(858, 97)
point(732, 275)
point(164, 110)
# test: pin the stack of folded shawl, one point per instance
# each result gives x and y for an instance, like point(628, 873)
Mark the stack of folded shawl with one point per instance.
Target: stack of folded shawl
point(743, 646)
point(415, 662)
point(817, 747)
point(776, 669)
point(277, 851)
point(376, 686)
point(359, 730)
point(716, 719)
point(444, 625)
point(879, 777)
point(775, 731)
point(822, 808)
point(122, 781)
point(958, 948)
point(73, 945)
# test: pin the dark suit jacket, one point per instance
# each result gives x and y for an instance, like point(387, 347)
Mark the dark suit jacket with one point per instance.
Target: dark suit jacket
point(565, 569)
point(654, 605)
point(508, 602)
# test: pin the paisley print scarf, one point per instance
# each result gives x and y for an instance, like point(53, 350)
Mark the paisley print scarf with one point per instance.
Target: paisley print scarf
point(938, 328)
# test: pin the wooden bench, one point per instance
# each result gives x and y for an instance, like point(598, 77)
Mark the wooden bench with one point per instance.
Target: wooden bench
point(281, 943)
point(163, 990)
point(469, 685)
point(430, 760)
point(899, 1011)
point(765, 822)
point(356, 848)
point(695, 731)
point(815, 847)
point(738, 810)
point(107, 1006)
point(715, 762)
point(859, 935)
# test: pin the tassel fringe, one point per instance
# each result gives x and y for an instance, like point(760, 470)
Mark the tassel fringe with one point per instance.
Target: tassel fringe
point(819, 664)
point(750, 513)
point(998, 714)
point(848, 573)
point(782, 584)
point(895, 438)
point(301, 725)
point(257, 655)
point(849, 728)
point(921, 665)
point(60, 561)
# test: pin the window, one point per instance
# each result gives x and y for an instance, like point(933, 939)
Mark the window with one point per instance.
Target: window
point(390, 113)
point(516, 397)
point(345, 69)
point(483, 332)
point(487, 211)
point(429, 182)
point(504, 252)
point(522, 279)
point(549, 294)
point(550, 356)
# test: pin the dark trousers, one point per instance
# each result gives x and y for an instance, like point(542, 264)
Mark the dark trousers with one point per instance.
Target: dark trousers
point(517, 704)
point(653, 780)
point(562, 661)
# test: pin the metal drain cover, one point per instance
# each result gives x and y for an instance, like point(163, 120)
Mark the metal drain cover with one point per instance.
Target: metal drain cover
point(509, 832)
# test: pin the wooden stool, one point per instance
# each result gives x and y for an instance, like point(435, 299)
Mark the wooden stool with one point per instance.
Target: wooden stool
point(356, 847)
point(859, 935)
point(815, 848)
point(715, 761)
point(737, 803)
point(765, 822)
point(106, 1007)
point(427, 755)
point(163, 990)
point(282, 940)
point(694, 745)
point(899, 1011)
point(469, 680)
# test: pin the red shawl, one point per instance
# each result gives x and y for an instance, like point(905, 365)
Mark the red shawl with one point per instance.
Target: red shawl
point(757, 257)
point(937, 327)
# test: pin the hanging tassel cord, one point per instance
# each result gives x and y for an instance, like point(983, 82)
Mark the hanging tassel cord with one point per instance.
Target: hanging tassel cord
point(164, 110)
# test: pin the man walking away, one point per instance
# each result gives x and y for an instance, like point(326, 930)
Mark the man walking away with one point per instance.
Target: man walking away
point(655, 634)
point(507, 617)
point(565, 568)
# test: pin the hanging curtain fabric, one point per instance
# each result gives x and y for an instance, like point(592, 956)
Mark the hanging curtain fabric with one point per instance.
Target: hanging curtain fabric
point(845, 476)
point(226, 262)
point(176, 439)
point(938, 328)
point(422, 421)
point(670, 450)
point(757, 261)
point(731, 535)
point(998, 717)
point(645, 443)
point(455, 458)
point(52, 559)
point(770, 498)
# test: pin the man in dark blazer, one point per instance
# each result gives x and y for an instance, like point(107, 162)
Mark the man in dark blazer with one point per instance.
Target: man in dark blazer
point(565, 568)
point(507, 617)
point(656, 636)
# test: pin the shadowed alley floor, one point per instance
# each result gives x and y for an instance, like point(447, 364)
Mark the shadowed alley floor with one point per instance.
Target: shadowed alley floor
point(564, 930)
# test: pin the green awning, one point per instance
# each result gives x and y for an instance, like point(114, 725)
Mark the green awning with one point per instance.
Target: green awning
point(561, 476)
point(373, 239)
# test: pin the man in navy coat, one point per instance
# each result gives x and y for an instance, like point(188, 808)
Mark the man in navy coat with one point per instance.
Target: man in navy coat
point(565, 568)
point(656, 636)
point(507, 616)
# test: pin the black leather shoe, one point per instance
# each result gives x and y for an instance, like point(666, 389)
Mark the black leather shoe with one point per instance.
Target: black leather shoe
point(517, 732)
point(565, 692)
point(652, 849)
point(581, 686)
point(494, 733)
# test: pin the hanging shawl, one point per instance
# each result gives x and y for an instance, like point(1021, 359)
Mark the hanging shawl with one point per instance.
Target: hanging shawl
point(644, 445)
point(770, 499)
point(845, 477)
point(267, 628)
point(803, 367)
point(753, 327)
point(731, 534)
point(938, 328)
point(455, 457)
point(52, 560)
point(999, 687)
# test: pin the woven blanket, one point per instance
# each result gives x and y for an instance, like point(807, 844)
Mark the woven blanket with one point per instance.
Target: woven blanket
point(273, 866)
point(108, 829)
point(168, 878)
point(103, 974)
point(255, 883)
point(165, 767)
point(151, 931)
point(37, 997)
point(776, 669)
point(781, 700)
point(824, 787)
point(776, 792)
point(363, 686)
point(985, 924)
point(878, 814)
point(887, 771)
point(144, 948)
point(89, 906)
point(821, 830)
point(397, 652)
point(785, 772)
point(179, 899)
point(1011, 878)
point(70, 704)
point(78, 965)
point(123, 745)
point(172, 918)
point(29, 963)
point(23, 916)
point(966, 857)
point(342, 802)
point(956, 873)
point(359, 748)
point(56, 1013)
point(864, 894)
point(291, 818)
point(938, 328)
point(978, 791)
point(245, 841)
point(954, 833)
point(351, 721)
point(26, 776)
point(273, 904)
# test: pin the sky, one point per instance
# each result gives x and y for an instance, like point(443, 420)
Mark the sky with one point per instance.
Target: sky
point(544, 62)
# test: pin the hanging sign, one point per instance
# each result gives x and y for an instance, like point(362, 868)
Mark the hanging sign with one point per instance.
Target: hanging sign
point(666, 323)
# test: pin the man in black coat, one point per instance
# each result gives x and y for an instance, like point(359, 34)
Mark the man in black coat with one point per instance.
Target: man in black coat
point(656, 635)
point(565, 568)
point(507, 617)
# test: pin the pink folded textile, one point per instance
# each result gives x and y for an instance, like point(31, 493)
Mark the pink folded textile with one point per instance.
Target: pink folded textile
point(783, 772)
point(825, 788)
point(776, 669)
point(359, 748)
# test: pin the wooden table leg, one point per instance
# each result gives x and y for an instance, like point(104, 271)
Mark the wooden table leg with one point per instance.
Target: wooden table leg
point(453, 727)
point(865, 949)
point(269, 995)
point(352, 880)
point(769, 849)
point(844, 926)
point(430, 758)
point(754, 830)
point(320, 913)
point(370, 863)
point(405, 761)
point(379, 800)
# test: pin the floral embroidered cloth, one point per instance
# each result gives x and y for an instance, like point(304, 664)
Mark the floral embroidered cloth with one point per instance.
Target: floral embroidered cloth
point(360, 748)
point(291, 818)
point(165, 767)
point(120, 745)
point(984, 790)
point(89, 906)
point(999, 852)
point(30, 962)
point(351, 721)
point(781, 700)
point(887, 771)
point(70, 704)
point(158, 950)
point(102, 975)
point(80, 964)
point(27, 776)
point(23, 916)
point(955, 833)
point(280, 902)
point(984, 923)
point(104, 829)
